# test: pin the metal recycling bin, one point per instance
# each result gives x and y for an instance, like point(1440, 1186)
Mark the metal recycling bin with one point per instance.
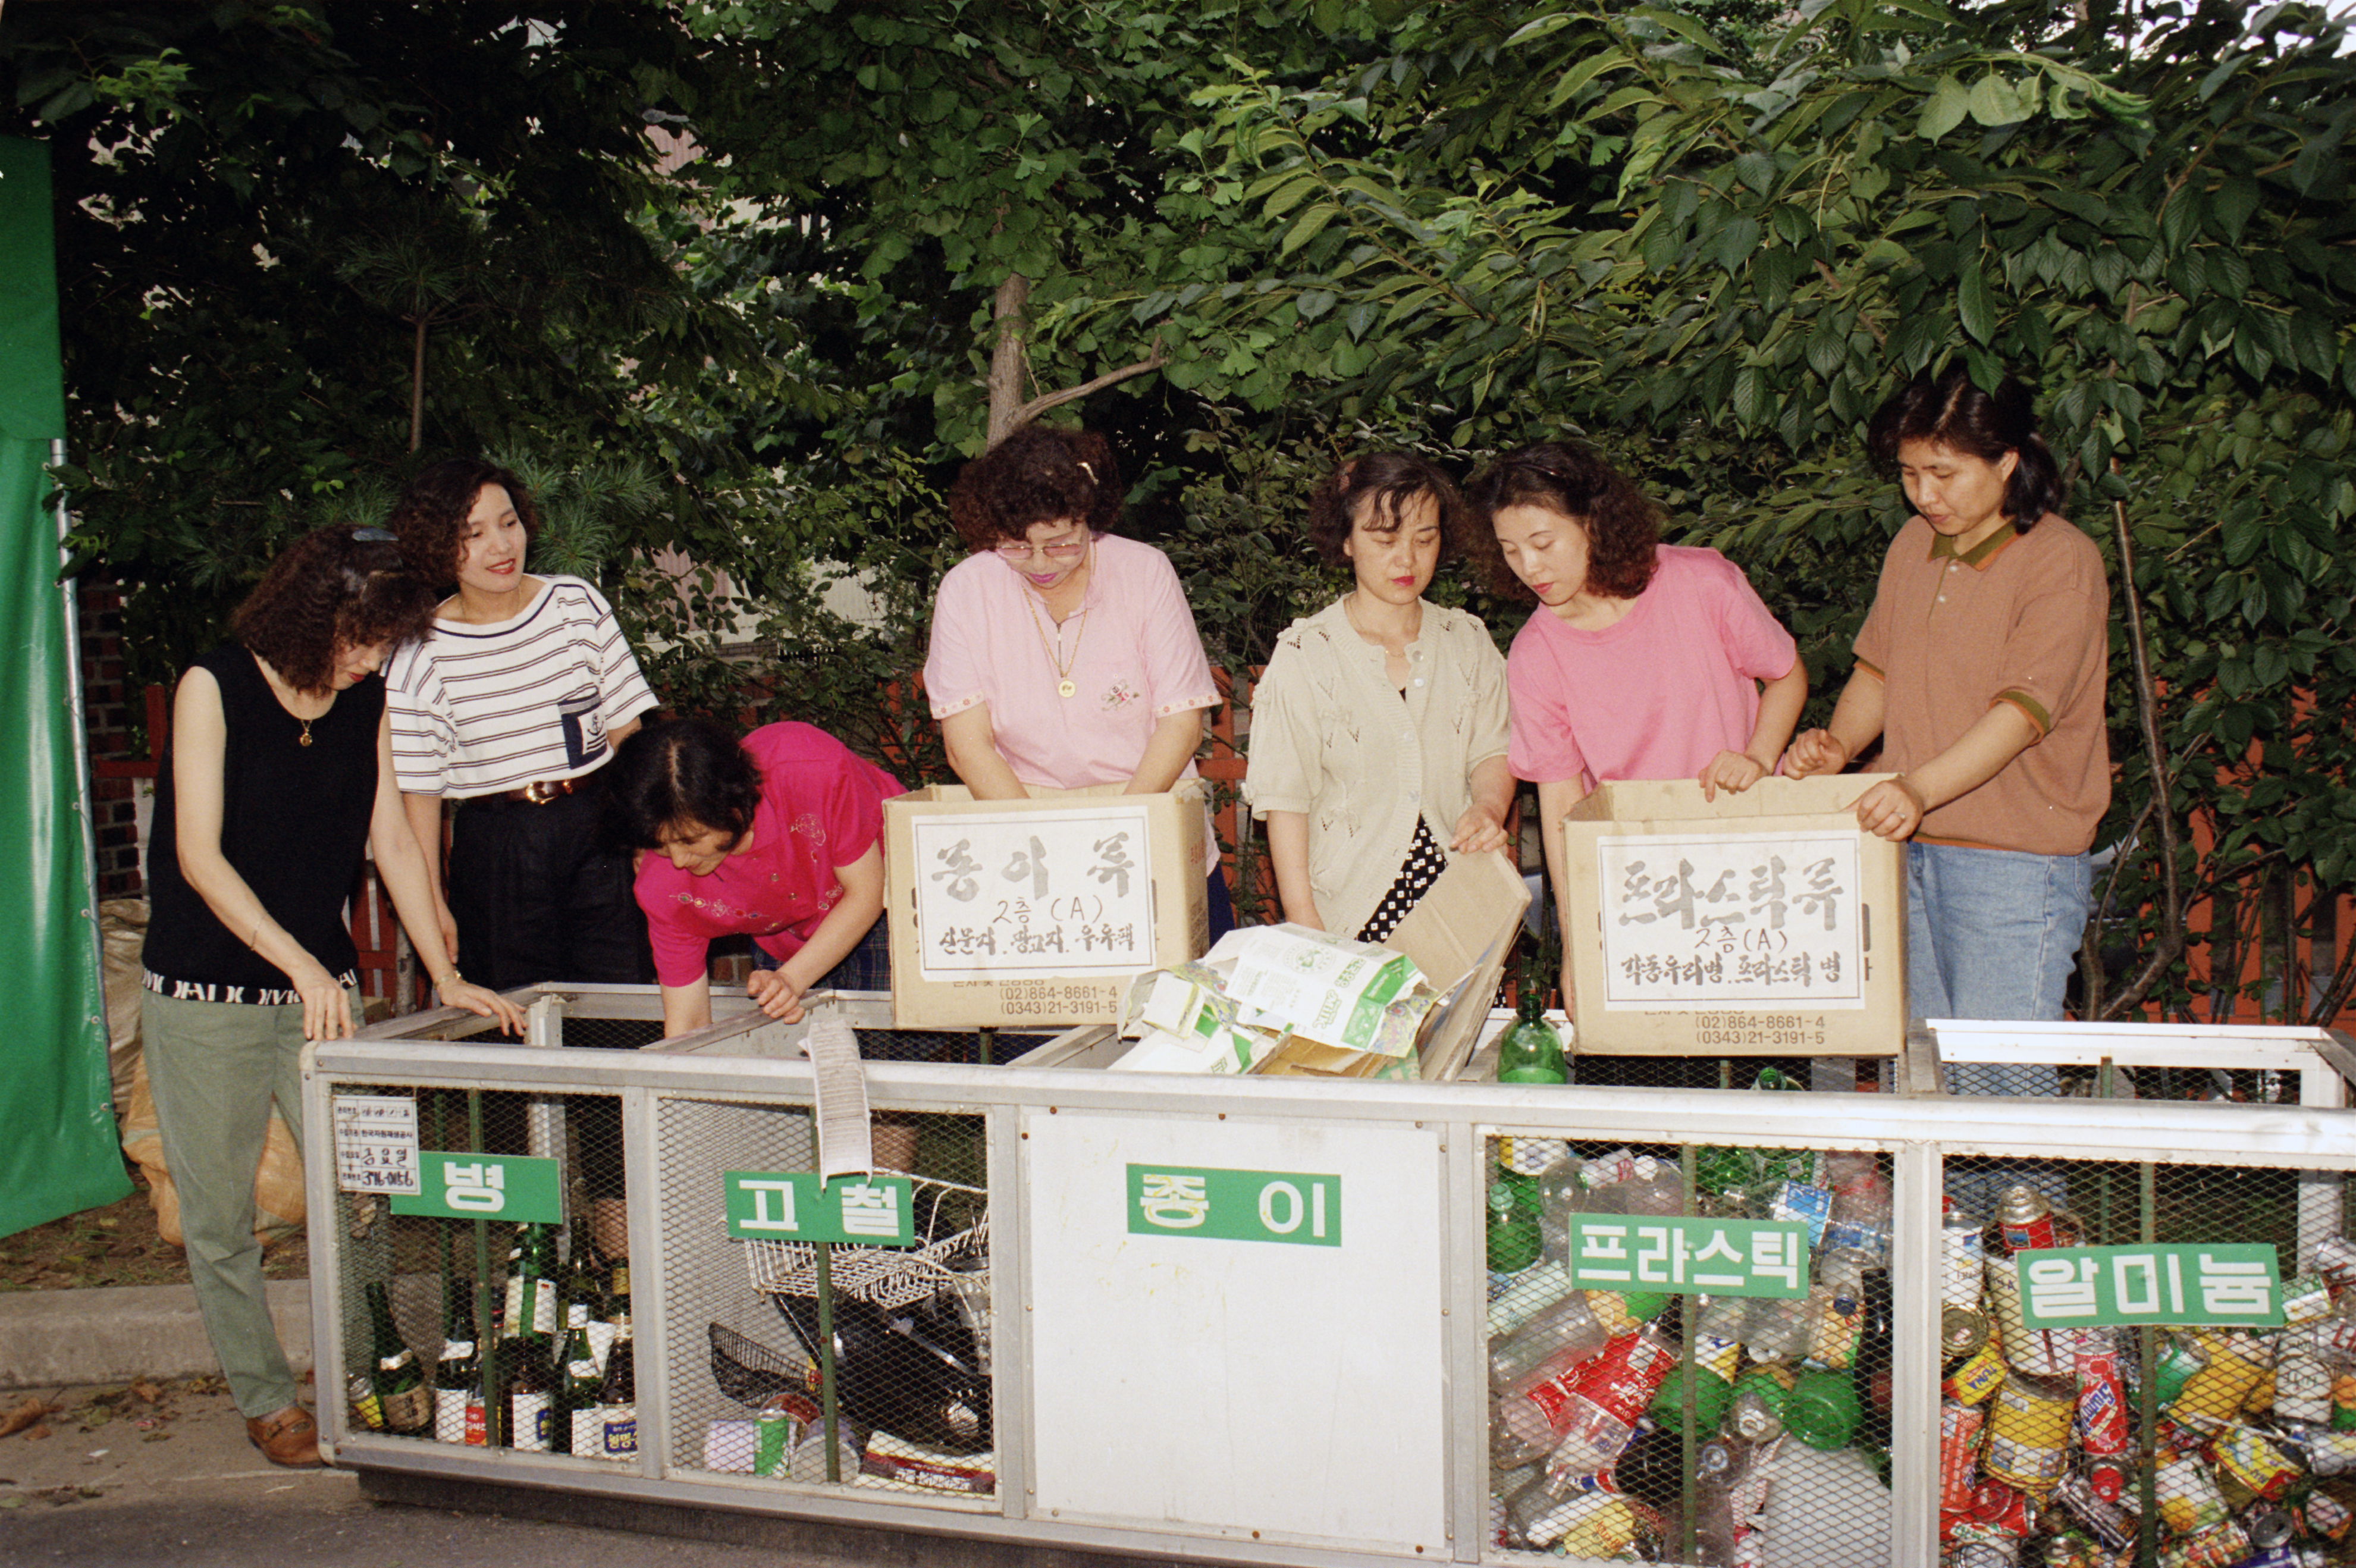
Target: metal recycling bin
point(1218, 1319)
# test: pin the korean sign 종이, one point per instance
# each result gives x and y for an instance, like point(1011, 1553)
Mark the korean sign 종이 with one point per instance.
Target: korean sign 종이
point(1033, 893)
point(487, 1186)
point(1689, 1257)
point(1695, 923)
point(796, 1206)
point(2073, 1287)
point(1235, 1206)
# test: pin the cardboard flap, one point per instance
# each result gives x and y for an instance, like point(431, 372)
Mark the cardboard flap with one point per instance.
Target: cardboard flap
point(1665, 800)
point(1457, 934)
point(957, 794)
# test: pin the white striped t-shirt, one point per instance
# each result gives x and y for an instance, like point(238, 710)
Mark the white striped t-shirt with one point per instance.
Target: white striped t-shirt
point(478, 709)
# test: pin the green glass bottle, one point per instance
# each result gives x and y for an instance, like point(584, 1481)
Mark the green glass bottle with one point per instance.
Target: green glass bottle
point(532, 1306)
point(1513, 1240)
point(577, 1427)
point(397, 1380)
point(458, 1375)
point(1530, 1051)
point(580, 1282)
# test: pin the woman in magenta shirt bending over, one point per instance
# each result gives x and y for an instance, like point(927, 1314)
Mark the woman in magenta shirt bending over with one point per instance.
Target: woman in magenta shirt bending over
point(1642, 660)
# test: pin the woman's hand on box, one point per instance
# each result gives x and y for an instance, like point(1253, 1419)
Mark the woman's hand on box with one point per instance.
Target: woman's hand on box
point(1816, 751)
point(1730, 771)
point(1479, 829)
point(1892, 809)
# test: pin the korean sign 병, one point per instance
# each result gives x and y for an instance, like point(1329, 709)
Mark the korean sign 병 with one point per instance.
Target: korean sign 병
point(487, 1186)
point(1033, 893)
point(376, 1143)
point(2070, 1287)
point(1689, 1257)
point(1694, 923)
point(1235, 1206)
point(791, 1206)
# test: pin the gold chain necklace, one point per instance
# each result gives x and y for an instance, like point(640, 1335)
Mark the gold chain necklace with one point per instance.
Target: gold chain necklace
point(1065, 685)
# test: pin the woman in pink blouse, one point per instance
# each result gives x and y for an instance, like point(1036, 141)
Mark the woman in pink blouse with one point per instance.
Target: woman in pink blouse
point(1062, 655)
point(779, 837)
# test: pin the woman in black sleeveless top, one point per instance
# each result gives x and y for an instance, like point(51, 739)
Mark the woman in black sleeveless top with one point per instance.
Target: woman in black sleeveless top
point(279, 771)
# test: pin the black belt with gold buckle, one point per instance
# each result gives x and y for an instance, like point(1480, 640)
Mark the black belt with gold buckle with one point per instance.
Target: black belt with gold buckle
point(540, 791)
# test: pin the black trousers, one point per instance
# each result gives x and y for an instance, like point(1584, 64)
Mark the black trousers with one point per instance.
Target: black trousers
point(539, 895)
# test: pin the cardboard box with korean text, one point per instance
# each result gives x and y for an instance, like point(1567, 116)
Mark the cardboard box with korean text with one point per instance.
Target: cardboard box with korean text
point(1761, 924)
point(1039, 912)
point(1459, 935)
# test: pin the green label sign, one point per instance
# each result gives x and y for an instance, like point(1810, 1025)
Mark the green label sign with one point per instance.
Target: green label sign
point(1689, 1257)
point(485, 1186)
point(791, 1206)
point(2070, 1287)
point(1235, 1206)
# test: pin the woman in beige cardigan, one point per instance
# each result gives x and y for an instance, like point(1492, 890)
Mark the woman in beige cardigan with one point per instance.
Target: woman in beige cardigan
point(1378, 732)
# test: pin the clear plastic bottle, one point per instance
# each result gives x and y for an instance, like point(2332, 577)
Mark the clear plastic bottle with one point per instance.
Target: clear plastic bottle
point(1567, 1330)
point(1722, 1471)
point(1778, 1329)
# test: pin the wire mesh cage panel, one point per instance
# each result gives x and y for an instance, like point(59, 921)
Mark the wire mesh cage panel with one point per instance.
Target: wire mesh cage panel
point(757, 1324)
point(490, 1308)
point(1689, 1351)
point(2144, 1363)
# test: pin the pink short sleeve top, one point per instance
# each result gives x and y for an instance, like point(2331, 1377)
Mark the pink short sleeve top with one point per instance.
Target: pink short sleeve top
point(1131, 649)
point(1656, 696)
point(821, 807)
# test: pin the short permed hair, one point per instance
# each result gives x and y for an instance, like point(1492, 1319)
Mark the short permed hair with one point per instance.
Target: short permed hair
point(332, 589)
point(1037, 475)
point(686, 772)
point(1390, 481)
point(1951, 411)
point(431, 515)
point(1623, 524)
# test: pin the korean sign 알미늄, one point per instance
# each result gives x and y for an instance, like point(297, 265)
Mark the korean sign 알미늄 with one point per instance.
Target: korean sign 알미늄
point(487, 1186)
point(2072, 1288)
point(1235, 1206)
point(376, 1143)
point(1033, 893)
point(797, 1206)
point(1689, 1257)
point(1695, 923)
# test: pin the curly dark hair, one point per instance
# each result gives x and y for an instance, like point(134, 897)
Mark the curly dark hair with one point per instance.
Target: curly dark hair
point(332, 589)
point(1037, 475)
point(1390, 480)
point(1623, 524)
point(431, 515)
point(687, 772)
point(1951, 411)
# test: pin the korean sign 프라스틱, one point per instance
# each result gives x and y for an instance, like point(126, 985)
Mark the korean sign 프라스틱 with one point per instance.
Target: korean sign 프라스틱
point(1688, 1257)
point(2072, 1288)
point(1235, 1206)
point(376, 1143)
point(797, 1206)
point(487, 1186)
point(1731, 919)
point(1033, 893)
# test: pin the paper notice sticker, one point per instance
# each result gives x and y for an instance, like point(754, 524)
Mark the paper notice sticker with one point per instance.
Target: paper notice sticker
point(846, 1143)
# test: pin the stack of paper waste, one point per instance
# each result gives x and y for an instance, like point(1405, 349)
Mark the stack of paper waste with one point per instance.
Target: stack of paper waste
point(1281, 1000)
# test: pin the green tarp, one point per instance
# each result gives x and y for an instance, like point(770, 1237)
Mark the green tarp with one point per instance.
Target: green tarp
point(58, 1150)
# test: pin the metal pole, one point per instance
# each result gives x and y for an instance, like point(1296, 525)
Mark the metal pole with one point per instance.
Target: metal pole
point(826, 1390)
point(69, 591)
point(1689, 1320)
point(495, 1424)
point(2147, 1520)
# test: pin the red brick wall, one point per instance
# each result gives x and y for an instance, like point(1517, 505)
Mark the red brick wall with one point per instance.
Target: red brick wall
point(114, 713)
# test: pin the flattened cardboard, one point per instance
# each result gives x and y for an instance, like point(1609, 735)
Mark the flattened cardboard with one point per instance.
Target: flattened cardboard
point(1174, 858)
point(1816, 807)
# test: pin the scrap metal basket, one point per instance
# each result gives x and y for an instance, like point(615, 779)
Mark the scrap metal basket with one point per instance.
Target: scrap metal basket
point(890, 1276)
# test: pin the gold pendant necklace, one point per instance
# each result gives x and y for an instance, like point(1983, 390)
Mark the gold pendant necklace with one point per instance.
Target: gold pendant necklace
point(1065, 685)
point(305, 739)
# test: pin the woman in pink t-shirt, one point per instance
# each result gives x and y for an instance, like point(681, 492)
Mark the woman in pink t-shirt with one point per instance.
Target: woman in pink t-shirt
point(1062, 655)
point(1642, 660)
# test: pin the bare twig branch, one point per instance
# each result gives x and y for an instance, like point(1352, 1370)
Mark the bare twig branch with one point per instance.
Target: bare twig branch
point(2170, 945)
point(1039, 405)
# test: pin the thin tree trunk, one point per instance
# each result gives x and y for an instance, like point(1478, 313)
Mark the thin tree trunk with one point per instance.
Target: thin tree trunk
point(2171, 915)
point(1006, 357)
point(417, 388)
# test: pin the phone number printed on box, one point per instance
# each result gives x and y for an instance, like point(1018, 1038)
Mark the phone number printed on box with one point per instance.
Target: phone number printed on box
point(1033, 893)
point(1744, 919)
point(1689, 1257)
point(2070, 1287)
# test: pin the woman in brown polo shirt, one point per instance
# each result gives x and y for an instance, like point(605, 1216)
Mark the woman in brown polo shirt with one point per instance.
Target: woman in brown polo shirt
point(1982, 666)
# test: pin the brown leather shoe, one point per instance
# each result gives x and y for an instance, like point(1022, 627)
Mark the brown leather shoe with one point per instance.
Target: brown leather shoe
point(288, 1437)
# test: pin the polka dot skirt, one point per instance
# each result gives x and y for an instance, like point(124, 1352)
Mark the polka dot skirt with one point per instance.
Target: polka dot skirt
point(1424, 862)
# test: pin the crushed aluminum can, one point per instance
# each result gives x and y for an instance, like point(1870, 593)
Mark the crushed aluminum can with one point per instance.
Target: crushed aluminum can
point(2103, 1518)
point(2221, 1545)
point(2269, 1528)
point(2335, 1259)
point(1978, 1376)
point(1986, 1554)
point(2328, 1453)
point(2325, 1516)
point(2187, 1498)
point(1961, 1427)
point(2002, 1508)
point(2306, 1299)
point(2251, 1457)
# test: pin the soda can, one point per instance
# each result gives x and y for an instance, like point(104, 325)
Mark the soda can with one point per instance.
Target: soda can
point(2042, 1351)
point(2101, 1406)
point(2187, 1498)
point(2335, 1259)
point(2343, 1403)
point(2269, 1528)
point(2107, 1479)
point(2326, 1516)
point(2246, 1454)
point(1977, 1378)
point(2003, 1508)
point(2212, 1396)
point(1962, 1330)
point(2302, 1384)
point(2024, 1218)
point(2334, 1336)
point(2180, 1359)
point(2102, 1517)
point(2328, 1453)
point(1986, 1554)
point(1794, 1200)
point(2306, 1299)
point(2070, 1550)
point(1961, 1427)
point(2221, 1545)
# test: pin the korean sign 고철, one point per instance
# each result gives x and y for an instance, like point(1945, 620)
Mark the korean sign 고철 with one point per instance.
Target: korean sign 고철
point(794, 1205)
point(487, 1186)
point(1689, 1257)
point(1235, 1206)
point(1730, 920)
point(1033, 893)
point(2073, 1287)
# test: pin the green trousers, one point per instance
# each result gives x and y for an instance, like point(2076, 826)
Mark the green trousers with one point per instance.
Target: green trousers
point(215, 1067)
